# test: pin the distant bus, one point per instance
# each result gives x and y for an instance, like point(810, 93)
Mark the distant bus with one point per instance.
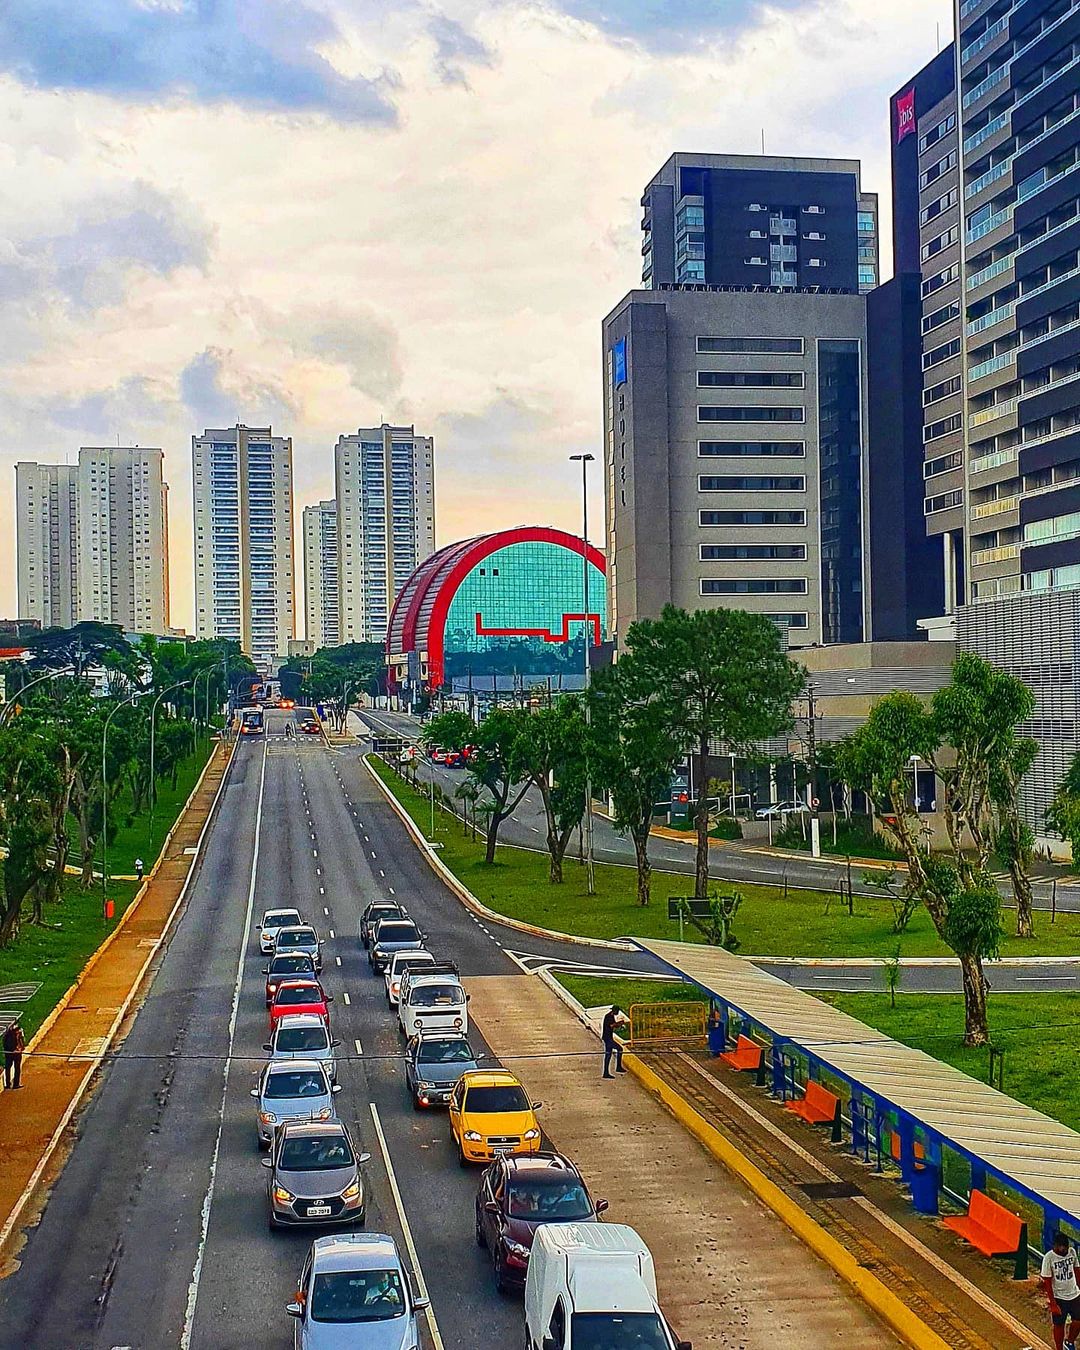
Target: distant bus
point(251, 722)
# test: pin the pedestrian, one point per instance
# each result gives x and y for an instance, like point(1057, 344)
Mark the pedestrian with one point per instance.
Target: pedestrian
point(14, 1045)
point(1059, 1271)
point(611, 1045)
point(138, 869)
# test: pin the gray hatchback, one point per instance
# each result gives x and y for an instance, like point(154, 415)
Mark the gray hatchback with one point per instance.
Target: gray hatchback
point(314, 1176)
point(354, 1292)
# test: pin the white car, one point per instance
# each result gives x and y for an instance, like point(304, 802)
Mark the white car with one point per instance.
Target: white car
point(777, 810)
point(395, 971)
point(274, 919)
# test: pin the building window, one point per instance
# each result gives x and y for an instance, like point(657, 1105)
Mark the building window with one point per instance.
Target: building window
point(940, 316)
point(737, 449)
point(729, 346)
point(788, 620)
point(939, 391)
point(754, 586)
point(935, 133)
point(751, 414)
point(740, 518)
point(750, 379)
point(752, 552)
point(867, 275)
point(937, 355)
point(751, 483)
point(944, 501)
point(942, 427)
point(943, 463)
point(840, 489)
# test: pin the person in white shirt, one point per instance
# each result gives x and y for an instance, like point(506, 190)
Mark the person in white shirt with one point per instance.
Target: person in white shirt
point(1059, 1271)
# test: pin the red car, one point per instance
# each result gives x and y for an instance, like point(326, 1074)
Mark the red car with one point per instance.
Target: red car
point(299, 996)
point(311, 728)
point(287, 966)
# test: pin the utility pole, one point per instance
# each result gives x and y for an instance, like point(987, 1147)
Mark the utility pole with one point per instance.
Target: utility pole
point(585, 461)
point(811, 759)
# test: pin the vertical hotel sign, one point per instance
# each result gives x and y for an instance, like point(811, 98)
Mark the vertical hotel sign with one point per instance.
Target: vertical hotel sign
point(618, 363)
point(905, 115)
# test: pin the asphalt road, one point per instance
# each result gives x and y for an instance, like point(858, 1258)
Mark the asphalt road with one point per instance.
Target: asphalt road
point(155, 1233)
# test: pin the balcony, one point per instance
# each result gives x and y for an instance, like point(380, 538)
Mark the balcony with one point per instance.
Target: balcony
point(1054, 281)
point(782, 225)
point(996, 269)
point(995, 508)
point(991, 223)
point(995, 460)
point(990, 176)
point(980, 419)
point(984, 86)
point(1004, 553)
point(977, 138)
point(995, 316)
point(1037, 181)
point(984, 39)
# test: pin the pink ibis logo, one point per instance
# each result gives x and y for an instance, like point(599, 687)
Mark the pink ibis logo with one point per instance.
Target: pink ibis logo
point(905, 114)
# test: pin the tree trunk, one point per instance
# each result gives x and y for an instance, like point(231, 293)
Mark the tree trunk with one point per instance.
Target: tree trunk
point(554, 858)
point(644, 866)
point(1021, 884)
point(976, 1028)
point(9, 924)
point(701, 820)
point(494, 821)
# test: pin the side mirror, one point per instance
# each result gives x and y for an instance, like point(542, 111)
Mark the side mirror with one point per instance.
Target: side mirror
point(268, 1045)
point(601, 1206)
point(491, 1207)
point(537, 1105)
point(336, 1089)
point(549, 1343)
point(363, 1158)
point(294, 1309)
point(419, 1304)
point(468, 998)
point(266, 1162)
point(328, 997)
point(254, 1092)
point(684, 1345)
point(266, 970)
point(335, 1042)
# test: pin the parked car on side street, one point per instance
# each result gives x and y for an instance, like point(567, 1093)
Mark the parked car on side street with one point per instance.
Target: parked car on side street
point(777, 810)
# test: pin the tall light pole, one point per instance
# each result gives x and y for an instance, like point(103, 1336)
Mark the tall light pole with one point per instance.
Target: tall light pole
point(180, 684)
point(105, 792)
point(5, 712)
point(585, 460)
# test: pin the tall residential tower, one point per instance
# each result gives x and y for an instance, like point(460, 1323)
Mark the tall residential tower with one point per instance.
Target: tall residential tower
point(322, 613)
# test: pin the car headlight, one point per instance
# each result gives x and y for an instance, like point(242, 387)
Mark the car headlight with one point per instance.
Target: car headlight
point(273, 989)
point(282, 1196)
point(531, 1134)
point(268, 1117)
point(351, 1192)
point(473, 1137)
point(516, 1249)
point(427, 1087)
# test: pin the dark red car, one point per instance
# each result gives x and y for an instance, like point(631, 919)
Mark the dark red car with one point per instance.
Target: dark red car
point(299, 996)
point(287, 966)
point(519, 1193)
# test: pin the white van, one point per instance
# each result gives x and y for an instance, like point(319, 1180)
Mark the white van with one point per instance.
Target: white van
point(433, 1000)
point(591, 1285)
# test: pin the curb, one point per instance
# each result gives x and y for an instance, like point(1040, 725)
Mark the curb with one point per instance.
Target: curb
point(911, 1329)
point(466, 896)
point(11, 1222)
point(912, 962)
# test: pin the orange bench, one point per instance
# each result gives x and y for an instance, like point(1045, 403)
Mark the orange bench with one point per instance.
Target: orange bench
point(894, 1150)
point(746, 1055)
point(993, 1230)
point(819, 1106)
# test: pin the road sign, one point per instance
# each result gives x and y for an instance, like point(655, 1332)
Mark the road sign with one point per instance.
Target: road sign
point(814, 803)
point(679, 906)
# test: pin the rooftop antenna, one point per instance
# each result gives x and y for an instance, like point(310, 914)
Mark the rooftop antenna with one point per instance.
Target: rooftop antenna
point(937, 28)
point(762, 140)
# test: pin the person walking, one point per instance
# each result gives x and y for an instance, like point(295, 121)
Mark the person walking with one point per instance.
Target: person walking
point(14, 1045)
point(1058, 1273)
point(138, 869)
point(611, 1046)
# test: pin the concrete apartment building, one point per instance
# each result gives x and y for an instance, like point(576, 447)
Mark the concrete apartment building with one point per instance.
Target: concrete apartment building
point(322, 613)
point(736, 406)
point(242, 494)
point(385, 492)
point(93, 539)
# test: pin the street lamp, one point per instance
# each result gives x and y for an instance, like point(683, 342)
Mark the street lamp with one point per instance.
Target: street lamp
point(105, 792)
point(49, 675)
point(585, 460)
point(180, 684)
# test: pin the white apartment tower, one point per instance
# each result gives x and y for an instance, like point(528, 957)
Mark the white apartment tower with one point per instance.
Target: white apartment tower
point(322, 614)
point(243, 506)
point(47, 525)
point(386, 522)
point(93, 540)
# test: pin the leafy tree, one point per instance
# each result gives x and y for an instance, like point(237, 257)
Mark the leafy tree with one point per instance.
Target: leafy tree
point(719, 675)
point(491, 764)
point(635, 753)
point(449, 731)
point(1063, 813)
point(552, 755)
point(84, 646)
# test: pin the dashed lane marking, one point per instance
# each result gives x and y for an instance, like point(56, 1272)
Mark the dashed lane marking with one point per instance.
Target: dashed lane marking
point(346, 997)
point(326, 911)
point(390, 889)
point(359, 1047)
point(331, 930)
point(338, 960)
point(381, 872)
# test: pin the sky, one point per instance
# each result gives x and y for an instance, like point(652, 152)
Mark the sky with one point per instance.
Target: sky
point(331, 213)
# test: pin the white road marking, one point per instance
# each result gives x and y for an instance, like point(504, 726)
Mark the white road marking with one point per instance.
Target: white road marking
point(324, 909)
point(1047, 979)
point(373, 853)
point(390, 888)
point(421, 1284)
point(208, 1200)
point(346, 997)
point(315, 851)
point(338, 958)
point(322, 891)
point(331, 930)
point(381, 872)
point(359, 1047)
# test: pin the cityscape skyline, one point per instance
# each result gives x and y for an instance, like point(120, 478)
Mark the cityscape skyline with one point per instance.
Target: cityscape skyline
point(198, 322)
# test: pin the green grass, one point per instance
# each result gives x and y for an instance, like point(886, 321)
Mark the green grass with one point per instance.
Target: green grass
point(55, 951)
point(802, 923)
point(594, 991)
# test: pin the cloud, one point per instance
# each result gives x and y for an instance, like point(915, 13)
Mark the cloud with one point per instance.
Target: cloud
point(218, 393)
point(670, 25)
point(126, 409)
point(363, 344)
point(257, 53)
point(456, 47)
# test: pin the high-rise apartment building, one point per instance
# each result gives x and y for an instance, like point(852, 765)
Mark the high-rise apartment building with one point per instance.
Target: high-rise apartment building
point(243, 506)
point(93, 540)
point(736, 410)
point(386, 522)
point(754, 221)
point(47, 535)
point(322, 613)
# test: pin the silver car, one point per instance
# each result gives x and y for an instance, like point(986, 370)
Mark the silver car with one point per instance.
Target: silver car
point(299, 938)
point(297, 1090)
point(304, 1036)
point(355, 1294)
point(314, 1176)
point(273, 920)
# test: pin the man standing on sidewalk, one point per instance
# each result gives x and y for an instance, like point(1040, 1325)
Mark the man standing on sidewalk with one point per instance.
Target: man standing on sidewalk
point(138, 869)
point(611, 1045)
point(1059, 1272)
point(14, 1045)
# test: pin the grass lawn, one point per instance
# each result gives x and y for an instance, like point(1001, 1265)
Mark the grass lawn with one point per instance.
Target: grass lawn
point(55, 952)
point(594, 991)
point(804, 923)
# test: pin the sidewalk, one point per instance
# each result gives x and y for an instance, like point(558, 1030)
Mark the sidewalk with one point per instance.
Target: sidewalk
point(65, 1053)
point(731, 1274)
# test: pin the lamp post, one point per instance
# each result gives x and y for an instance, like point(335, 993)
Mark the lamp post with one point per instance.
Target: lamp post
point(105, 792)
point(5, 713)
point(180, 684)
point(585, 460)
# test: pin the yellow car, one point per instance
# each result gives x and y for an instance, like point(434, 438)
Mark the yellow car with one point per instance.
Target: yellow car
point(491, 1116)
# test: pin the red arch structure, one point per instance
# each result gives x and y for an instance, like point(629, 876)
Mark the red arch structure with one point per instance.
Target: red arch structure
point(418, 619)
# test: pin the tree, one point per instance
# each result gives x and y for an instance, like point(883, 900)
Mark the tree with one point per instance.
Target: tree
point(635, 753)
point(491, 763)
point(82, 647)
point(551, 753)
point(719, 675)
point(955, 890)
point(1063, 813)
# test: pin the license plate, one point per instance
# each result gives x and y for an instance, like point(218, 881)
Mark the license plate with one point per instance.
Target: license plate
point(501, 1150)
point(317, 1211)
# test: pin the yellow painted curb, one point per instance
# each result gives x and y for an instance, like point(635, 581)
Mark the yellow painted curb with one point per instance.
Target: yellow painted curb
point(912, 1330)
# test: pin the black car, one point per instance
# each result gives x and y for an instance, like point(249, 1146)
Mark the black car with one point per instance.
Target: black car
point(379, 909)
point(433, 1064)
point(287, 966)
point(391, 936)
point(517, 1195)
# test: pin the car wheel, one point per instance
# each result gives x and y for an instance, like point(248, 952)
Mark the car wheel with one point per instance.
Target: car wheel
point(501, 1285)
point(481, 1236)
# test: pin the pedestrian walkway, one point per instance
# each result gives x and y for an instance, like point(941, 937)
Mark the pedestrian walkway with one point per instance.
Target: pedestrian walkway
point(730, 1273)
point(65, 1053)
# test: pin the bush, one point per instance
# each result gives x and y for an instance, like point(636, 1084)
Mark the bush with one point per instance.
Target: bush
point(855, 840)
point(726, 827)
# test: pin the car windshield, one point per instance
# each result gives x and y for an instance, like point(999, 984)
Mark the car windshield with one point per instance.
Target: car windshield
point(436, 995)
point(618, 1331)
point(303, 937)
point(357, 1296)
point(553, 1200)
point(444, 1052)
point(295, 1083)
point(315, 1153)
point(383, 912)
point(298, 964)
point(302, 1038)
point(398, 932)
point(306, 993)
point(278, 918)
point(489, 1100)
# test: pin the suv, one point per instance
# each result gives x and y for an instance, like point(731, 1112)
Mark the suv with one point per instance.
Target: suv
point(379, 909)
point(304, 1036)
point(433, 1000)
point(396, 970)
point(519, 1194)
point(314, 1175)
point(391, 936)
point(433, 1064)
point(299, 938)
point(298, 1090)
